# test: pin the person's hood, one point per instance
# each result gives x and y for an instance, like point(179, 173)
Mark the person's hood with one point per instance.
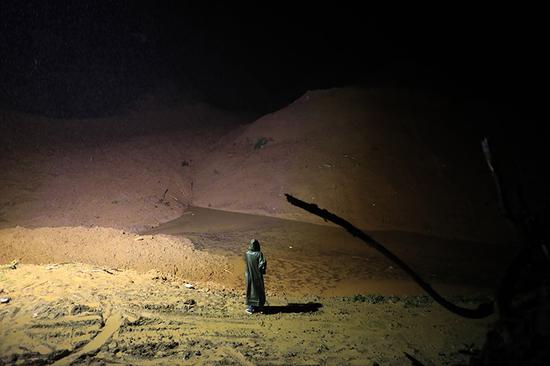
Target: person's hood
point(254, 245)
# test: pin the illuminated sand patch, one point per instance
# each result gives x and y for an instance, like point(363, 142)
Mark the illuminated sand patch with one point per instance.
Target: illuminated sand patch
point(80, 314)
point(113, 249)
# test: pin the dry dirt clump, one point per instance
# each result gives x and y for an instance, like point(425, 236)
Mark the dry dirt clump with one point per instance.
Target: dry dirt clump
point(112, 249)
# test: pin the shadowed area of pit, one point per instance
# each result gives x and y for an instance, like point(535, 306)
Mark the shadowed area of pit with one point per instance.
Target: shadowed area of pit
point(327, 259)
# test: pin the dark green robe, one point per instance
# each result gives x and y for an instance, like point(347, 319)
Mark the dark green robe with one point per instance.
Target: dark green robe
point(255, 269)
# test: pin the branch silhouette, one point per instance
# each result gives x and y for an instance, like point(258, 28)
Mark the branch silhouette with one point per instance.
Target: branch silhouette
point(482, 311)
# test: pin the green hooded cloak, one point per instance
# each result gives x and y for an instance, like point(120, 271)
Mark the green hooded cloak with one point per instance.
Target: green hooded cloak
point(255, 269)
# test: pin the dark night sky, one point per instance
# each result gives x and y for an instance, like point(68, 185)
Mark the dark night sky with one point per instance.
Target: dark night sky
point(86, 57)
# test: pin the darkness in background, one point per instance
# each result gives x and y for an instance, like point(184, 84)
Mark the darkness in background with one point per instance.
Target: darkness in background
point(88, 58)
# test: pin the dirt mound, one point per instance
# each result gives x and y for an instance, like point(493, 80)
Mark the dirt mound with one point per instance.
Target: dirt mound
point(382, 160)
point(112, 249)
point(129, 171)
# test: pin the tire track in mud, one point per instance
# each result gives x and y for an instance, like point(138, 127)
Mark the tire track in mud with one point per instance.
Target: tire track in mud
point(239, 357)
point(141, 319)
point(46, 331)
point(111, 326)
point(173, 337)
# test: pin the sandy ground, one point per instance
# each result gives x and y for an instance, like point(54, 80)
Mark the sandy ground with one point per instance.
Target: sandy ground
point(384, 160)
point(105, 225)
point(80, 314)
point(306, 258)
point(130, 171)
point(332, 300)
point(208, 245)
point(113, 248)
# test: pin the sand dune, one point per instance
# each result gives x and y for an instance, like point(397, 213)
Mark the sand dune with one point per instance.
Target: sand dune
point(129, 171)
point(370, 156)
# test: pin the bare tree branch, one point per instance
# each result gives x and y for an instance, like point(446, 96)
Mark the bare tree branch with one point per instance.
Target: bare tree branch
point(482, 310)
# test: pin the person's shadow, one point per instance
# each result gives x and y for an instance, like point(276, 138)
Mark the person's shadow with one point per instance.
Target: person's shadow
point(310, 307)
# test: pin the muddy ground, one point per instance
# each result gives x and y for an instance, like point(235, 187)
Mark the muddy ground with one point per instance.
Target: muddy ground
point(305, 258)
point(80, 314)
point(100, 281)
point(331, 299)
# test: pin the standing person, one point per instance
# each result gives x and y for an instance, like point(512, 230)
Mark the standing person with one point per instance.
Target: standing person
point(255, 270)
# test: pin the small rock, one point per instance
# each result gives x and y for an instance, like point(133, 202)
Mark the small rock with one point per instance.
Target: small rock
point(189, 286)
point(187, 355)
point(198, 353)
point(4, 300)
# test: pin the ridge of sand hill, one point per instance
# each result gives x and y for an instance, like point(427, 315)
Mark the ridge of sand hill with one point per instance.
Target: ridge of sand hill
point(384, 161)
point(129, 171)
point(112, 249)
